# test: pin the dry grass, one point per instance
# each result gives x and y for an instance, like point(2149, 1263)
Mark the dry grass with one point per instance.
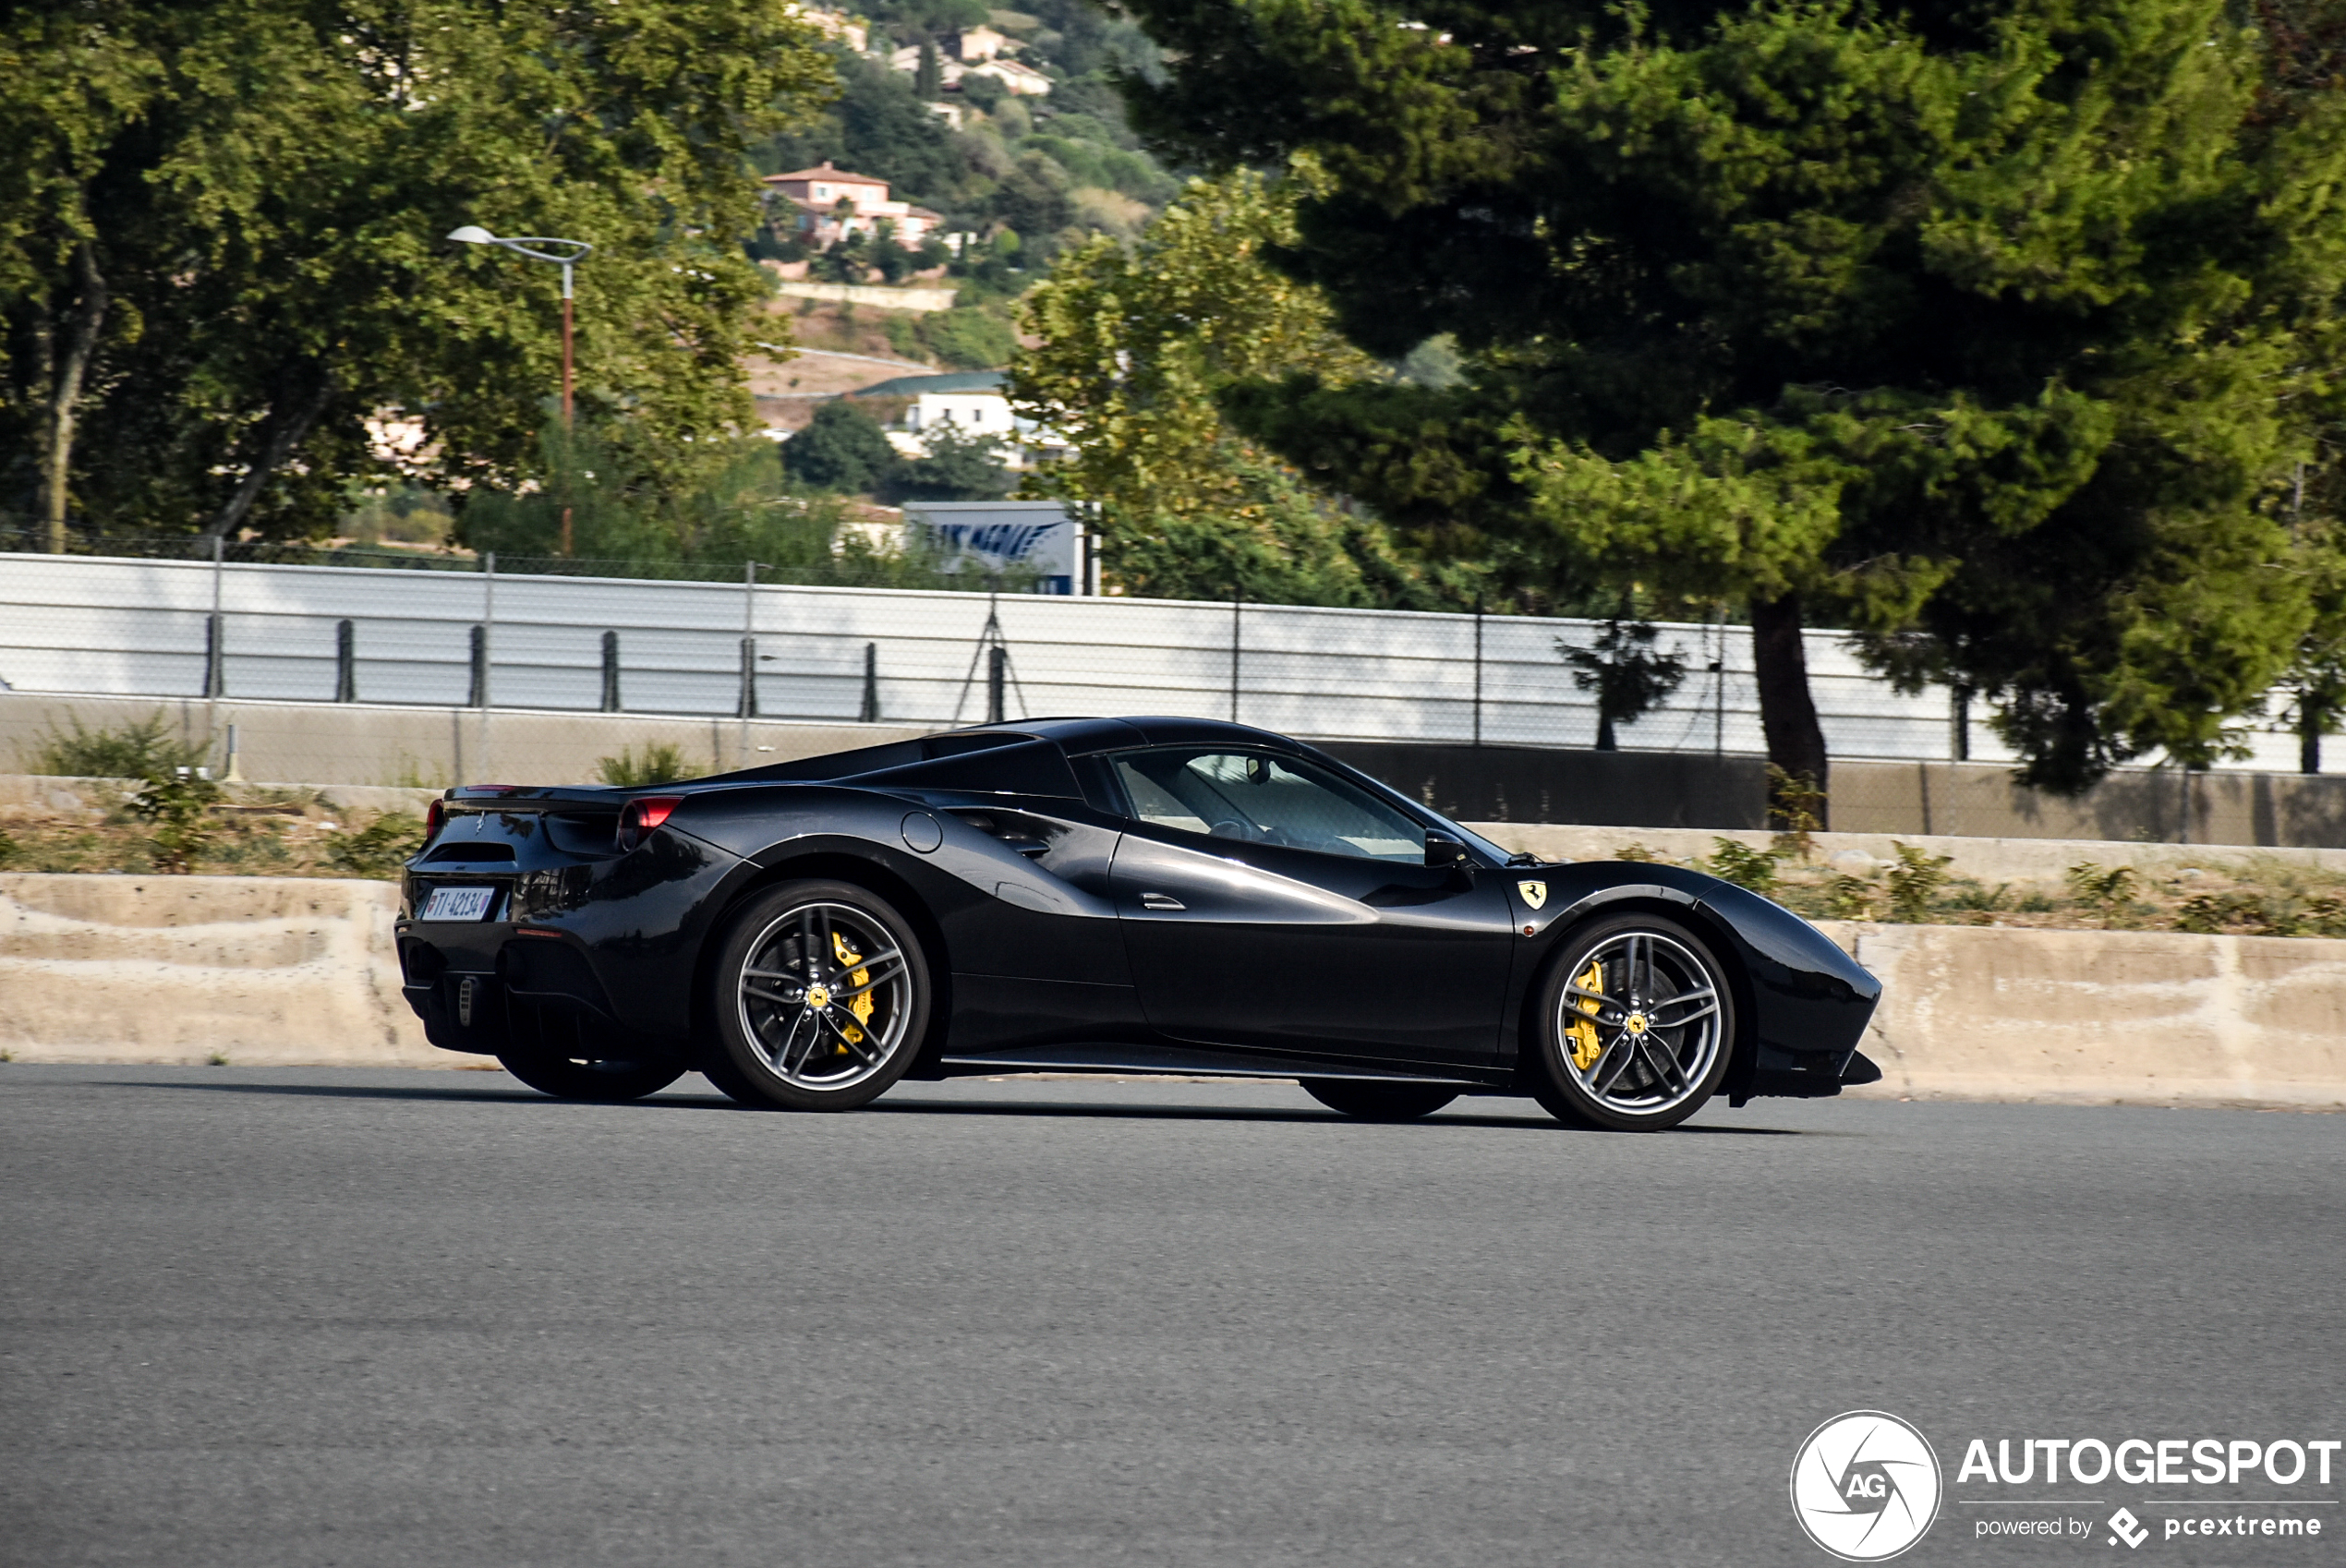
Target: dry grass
point(253, 833)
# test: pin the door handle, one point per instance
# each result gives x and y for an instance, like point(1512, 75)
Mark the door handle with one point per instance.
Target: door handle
point(1161, 901)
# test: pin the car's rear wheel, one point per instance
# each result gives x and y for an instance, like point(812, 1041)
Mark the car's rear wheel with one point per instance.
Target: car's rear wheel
point(822, 998)
point(1373, 1102)
point(1635, 1025)
point(569, 1078)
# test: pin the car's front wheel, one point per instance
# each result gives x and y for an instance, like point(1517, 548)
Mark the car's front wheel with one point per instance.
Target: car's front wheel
point(1374, 1102)
point(822, 998)
point(1635, 1025)
point(567, 1078)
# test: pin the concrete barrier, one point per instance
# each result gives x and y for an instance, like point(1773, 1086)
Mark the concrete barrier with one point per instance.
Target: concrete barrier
point(2147, 1018)
point(261, 970)
point(289, 971)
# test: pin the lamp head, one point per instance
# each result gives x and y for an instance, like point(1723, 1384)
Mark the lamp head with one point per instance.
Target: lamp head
point(472, 234)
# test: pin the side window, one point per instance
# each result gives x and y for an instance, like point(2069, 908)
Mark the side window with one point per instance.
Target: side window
point(1264, 800)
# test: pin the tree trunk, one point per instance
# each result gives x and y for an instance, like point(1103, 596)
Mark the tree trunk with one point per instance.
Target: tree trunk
point(1605, 741)
point(1787, 711)
point(287, 428)
point(64, 399)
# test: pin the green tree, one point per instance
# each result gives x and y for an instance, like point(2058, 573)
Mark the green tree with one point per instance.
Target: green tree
point(2317, 673)
point(1987, 331)
point(1133, 343)
point(1630, 680)
point(1136, 345)
point(960, 466)
point(969, 339)
point(221, 252)
point(843, 449)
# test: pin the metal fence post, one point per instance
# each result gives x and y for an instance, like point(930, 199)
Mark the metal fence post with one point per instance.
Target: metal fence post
point(870, 715)
point(477, 691)
point(215, 643)
point(1478, 670)
point(484, 659)
point(1718, 685)
point(611, 673)
point(1236, 606)
point(746, 710)
point(997, 659)
point(345, 662)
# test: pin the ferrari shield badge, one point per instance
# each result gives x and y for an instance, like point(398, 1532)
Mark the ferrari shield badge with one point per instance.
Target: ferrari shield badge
point(1534, 893)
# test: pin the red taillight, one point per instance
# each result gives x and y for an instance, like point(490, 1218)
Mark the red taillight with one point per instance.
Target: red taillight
point(642, 815)
point(435, 818)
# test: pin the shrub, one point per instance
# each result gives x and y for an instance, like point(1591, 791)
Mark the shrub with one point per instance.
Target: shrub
point(1850, 897)
point(178, 805)
point(960, 466)
point(143, 748)
point(842, 448)
point(970, 339)
point(1795, 808)
point(660, 763)
point(1915, 881)
point(2101, 888)
point(1745, 867)
point(378, 849)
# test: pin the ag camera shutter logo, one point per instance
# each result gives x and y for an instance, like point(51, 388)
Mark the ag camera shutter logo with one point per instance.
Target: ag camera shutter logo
point(1866, 1486)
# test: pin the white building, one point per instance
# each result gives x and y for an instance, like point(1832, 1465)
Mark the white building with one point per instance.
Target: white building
point(975, 412)
point(830, 204)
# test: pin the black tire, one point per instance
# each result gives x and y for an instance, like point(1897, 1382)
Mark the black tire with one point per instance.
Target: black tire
point(1643, 1064)
point(568, 1078)
point(783, 1040)
point(1373, 1102)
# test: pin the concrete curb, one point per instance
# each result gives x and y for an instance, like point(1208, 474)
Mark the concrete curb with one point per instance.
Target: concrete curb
point(300, 971)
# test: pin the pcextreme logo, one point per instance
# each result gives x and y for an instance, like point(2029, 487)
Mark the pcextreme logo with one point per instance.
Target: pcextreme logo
point(1866, 1486)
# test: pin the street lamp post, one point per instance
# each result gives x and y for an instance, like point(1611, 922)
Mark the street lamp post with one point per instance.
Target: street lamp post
point(573, 251)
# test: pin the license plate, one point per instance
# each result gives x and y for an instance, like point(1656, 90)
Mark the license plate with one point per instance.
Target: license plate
point(458, 903)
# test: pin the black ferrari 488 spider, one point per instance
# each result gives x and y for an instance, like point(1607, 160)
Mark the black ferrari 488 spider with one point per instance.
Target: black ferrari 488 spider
point(1098, 895)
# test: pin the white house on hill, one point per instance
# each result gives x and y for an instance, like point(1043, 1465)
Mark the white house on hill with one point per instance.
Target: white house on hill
point(833, 203)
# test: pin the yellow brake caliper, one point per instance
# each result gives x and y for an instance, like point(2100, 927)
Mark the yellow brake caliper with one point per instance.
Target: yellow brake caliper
point(1583, 1036)
point(861, 1005)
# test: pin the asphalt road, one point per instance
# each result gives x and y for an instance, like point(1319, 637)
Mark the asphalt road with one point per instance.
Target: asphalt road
point(312, 1318)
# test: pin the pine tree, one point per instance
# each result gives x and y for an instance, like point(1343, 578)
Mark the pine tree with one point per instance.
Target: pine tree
point(1988, 330)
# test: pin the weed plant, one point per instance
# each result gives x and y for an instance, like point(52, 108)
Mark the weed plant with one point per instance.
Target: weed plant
point(142, 748)
point(660, 763)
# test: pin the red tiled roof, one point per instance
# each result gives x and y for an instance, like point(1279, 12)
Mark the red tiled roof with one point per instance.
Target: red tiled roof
point(824, 173)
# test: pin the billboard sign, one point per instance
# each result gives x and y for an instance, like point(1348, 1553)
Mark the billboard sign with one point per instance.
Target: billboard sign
point(996, 536)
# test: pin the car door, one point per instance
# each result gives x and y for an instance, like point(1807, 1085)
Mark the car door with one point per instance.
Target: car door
point(1271, 904)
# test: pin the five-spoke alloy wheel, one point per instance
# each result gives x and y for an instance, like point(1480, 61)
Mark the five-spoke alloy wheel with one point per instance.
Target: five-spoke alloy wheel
point(822, 998)
point(1635, 1025)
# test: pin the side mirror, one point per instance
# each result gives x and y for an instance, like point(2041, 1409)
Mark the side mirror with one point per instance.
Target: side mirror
point(1441, 848)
